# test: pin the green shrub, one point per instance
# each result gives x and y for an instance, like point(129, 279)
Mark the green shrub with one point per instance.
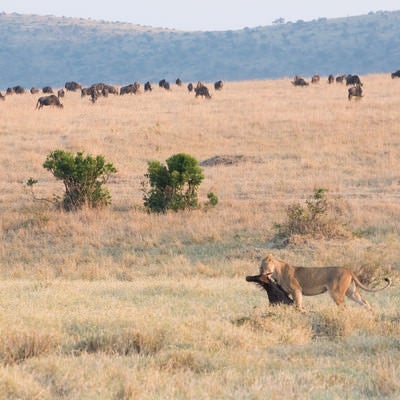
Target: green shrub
point(174, 186)
point(83, 179)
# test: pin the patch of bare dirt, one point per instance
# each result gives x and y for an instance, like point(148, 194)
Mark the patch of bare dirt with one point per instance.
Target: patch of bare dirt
point(227, 160)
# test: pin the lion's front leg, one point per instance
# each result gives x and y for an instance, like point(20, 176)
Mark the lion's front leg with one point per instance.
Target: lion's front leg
point(298, 299)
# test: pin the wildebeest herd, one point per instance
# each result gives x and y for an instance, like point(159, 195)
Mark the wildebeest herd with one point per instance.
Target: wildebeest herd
point(351, 80)
point(98, 90)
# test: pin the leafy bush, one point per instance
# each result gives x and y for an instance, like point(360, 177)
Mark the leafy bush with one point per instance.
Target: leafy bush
point(321, 217)
point(83, 179)
point(174, 186)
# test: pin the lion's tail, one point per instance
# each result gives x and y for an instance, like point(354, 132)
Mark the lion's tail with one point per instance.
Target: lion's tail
point(367, 289)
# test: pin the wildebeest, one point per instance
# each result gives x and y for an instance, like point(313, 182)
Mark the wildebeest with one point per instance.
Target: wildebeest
point(315, 79)
point(16, 89)
point(190, 87)
point(202, 91)
point(47, 89)
point(331, 79)
point(218, 85)
point(353, 80)
point(276, 295)
point(396, 74)
point(147, 87)
point(73, 86)
point(131, 88)
point(178, 82)
point(161, 83)
point(60, 93)
point(340, 78)
point(34, 90)
point(299, 82)
point(51, 100)
point(355, 91)
point(2, 97)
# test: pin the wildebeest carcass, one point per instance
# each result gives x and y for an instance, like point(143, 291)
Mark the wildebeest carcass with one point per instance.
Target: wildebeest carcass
point(218, 85)
point(395, 74)
point(355, 91)
point(51, 100)
point(202, 91)
point(353, 80)
point(275, 293)
point(73, 86)
point(299, 82)
point(147, 87)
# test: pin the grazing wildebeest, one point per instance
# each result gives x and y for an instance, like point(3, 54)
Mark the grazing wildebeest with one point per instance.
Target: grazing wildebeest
point(202, 91)
point(73, 86)
point(161, 83)
point(2, 97)
point(190, 87)
point(47, 89)
point(131, 88)
point(331, 79)
point(315, 79)
point(60, 93)
point(299, 82)
point(51, 100)
point(109, 89)
point(34, 90)
point(147, 87)
point(340, 78)
point(218, 85)
point(85, 92)
point(396, 74)
point(178, 82)
point(355, 91)
point(16, 89)
point(276, 294)
point(353, 80)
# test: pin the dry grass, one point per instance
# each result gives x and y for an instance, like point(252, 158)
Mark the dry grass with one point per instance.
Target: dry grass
point(119, 304)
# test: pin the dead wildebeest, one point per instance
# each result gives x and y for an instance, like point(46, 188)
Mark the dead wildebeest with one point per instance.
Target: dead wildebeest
point(202, 91)
point(275, 293)
point(51, 100)
point(355, 91)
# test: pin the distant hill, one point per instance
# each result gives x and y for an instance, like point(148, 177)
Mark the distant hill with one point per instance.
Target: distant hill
point(48, 50)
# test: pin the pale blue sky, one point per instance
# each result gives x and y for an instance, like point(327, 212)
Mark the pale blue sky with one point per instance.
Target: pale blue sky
point(199, 14)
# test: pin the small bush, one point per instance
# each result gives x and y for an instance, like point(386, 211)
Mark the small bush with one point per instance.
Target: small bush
point(319, 218)
point(83, 178)
point(174, 186)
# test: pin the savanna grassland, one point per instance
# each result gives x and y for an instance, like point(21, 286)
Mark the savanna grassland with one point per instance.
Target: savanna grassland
point(121, 304)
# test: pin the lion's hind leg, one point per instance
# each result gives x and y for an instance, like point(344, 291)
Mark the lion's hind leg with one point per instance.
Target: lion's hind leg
point(353, 294)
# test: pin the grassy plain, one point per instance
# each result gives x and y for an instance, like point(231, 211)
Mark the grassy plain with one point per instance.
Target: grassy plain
point(120, 304)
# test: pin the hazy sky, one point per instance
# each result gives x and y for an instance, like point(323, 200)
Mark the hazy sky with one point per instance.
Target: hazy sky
point(199, 14)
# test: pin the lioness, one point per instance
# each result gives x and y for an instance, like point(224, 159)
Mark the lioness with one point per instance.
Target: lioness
point(299, 281)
